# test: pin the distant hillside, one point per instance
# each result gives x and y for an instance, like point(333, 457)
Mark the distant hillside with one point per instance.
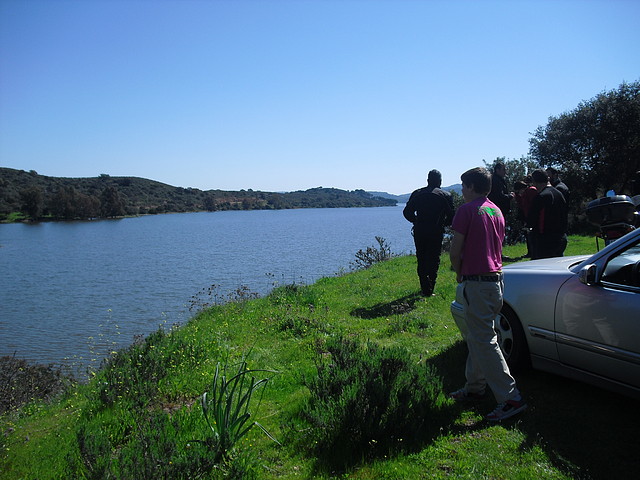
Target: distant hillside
point(405, 197)
point(454, 188)
point(30, 195)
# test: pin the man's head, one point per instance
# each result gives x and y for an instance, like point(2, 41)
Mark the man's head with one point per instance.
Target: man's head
point(519, 187)
point(539, 178)
point(552, 173)
point(434, 178)
point(475, 182)
point(500, 169)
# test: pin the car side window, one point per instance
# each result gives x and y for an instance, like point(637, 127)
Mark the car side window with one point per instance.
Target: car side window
point(624, 268)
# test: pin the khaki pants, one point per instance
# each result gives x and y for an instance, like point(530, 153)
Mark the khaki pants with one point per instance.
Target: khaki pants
point(485, 363)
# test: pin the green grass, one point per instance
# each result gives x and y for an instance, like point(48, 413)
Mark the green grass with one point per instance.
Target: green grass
point(142, 417)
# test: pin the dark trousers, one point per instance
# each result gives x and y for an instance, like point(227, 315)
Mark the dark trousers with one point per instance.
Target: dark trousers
point(548, 245)
point(428, 249)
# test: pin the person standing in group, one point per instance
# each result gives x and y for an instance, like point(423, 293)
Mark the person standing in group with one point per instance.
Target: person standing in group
point(476, 256)
point(500, 194)
point(524, 196)
point(548, 219)
point(557, 183)
point(430, 209)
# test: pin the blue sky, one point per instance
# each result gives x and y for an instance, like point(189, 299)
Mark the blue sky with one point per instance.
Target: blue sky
point(279, 95)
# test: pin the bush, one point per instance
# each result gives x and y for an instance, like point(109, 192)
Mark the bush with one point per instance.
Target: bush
point(369, 401)
point(21, 383)
point(372, 255)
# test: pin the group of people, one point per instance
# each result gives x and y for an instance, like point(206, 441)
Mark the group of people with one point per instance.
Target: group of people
point(542, 201)
point(542, 206)
point(476, 257)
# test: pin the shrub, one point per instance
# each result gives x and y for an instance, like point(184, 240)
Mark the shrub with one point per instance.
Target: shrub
point(372, 255)
point(369, 401)
point(22, 382)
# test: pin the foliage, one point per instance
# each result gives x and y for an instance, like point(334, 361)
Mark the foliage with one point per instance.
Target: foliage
point(22, 383)
point(226, 408)
point(32, 202)
point(596, 146)
point(372, 255)
point(111, 204)
point(133, 425)
point(368, 402)
point(135, 374)
point(150, 444)
point(210, 296)
point(39, 196)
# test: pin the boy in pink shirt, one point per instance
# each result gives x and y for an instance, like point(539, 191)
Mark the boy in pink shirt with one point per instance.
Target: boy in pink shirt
point(476, 257)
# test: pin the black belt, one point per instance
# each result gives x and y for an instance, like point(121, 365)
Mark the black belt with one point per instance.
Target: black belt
point(483, 278)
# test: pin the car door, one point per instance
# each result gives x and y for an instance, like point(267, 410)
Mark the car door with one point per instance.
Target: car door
point(598, 325)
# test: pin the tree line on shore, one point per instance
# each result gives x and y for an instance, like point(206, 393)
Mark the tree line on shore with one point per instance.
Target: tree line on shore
point(595, 147)
point(30, 196)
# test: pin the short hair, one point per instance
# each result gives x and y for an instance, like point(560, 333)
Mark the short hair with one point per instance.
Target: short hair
point(498, 166)
point(434, 178)
point(479, 177)
point(552, 170)
point(539, 176)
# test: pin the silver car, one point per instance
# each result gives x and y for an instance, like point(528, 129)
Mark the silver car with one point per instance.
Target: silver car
point(575, 316)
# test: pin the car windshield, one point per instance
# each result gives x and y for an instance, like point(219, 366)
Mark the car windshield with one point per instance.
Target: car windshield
point(631, 250)
point(622, 268)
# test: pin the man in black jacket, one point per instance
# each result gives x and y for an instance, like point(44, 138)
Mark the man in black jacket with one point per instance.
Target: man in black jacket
point(500, 194)
point(430, 209)
point(557, 183)
point(548, 219)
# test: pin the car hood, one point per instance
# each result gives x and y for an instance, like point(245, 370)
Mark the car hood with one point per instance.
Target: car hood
point(557, 264)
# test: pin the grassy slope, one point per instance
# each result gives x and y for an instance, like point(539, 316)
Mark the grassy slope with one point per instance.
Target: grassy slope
point(570, 431)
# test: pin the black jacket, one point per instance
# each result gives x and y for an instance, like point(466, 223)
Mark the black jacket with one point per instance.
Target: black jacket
point(548, 212)
point(429, 208)
point(500, 194)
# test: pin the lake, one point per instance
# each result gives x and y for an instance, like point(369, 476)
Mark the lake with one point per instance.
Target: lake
point(72, 292)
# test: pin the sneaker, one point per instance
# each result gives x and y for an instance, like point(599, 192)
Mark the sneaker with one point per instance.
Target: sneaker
point(506, 410)
point(463, 396)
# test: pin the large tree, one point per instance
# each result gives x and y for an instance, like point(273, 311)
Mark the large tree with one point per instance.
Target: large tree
point(112, 203)
point(596, 146)
point(32, 202)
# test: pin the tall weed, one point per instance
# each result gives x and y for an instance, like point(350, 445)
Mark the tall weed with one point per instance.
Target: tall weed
point(226, 408)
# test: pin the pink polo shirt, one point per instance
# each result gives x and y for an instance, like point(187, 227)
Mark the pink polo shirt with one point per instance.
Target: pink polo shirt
point(482, 224)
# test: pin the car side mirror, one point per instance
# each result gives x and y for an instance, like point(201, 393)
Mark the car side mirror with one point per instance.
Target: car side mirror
point(587, 274)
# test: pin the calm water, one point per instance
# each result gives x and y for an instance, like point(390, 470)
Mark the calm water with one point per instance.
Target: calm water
point(72, 292)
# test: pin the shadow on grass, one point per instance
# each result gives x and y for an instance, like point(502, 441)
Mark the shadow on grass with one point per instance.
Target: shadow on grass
point(586, 432)
point(395, 307)
point(591, 428)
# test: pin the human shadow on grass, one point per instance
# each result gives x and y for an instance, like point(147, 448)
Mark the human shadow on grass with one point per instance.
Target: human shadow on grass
point(586, 432)
point(396, 307)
